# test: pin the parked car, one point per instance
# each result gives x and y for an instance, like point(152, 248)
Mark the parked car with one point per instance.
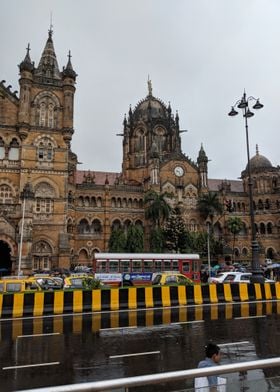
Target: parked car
point(47, 282)
point(234, 277)
point(18, 285)
point(82, 282)
point(171, 278)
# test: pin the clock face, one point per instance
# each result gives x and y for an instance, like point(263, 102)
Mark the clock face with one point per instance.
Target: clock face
point(179, 171)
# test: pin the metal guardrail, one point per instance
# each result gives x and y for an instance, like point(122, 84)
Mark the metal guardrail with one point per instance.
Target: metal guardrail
point(158, 378)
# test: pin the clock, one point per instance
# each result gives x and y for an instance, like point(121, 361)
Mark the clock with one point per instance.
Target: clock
point(179, 171)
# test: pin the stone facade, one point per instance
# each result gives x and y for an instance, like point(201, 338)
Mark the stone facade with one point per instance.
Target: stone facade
point(53, 215)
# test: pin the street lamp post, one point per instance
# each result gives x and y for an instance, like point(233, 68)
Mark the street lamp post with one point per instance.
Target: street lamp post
point(27, 193)
point(257, 275)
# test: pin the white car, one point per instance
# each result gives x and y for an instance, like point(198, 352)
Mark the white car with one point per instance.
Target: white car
point(234, 277)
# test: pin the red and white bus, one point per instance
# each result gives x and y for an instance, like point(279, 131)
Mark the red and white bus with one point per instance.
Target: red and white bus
point(138, 268)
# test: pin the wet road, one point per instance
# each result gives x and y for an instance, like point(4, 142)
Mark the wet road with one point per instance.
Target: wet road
point(70, 349)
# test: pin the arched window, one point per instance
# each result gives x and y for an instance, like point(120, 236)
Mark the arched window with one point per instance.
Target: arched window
point(260, 204)
point(83, 227)
point(139, 223)
point(44, 195)
point(14, 150)
point(245, 252)
point(83, 257)
point(126, 225)
point(70, 226)
point(113, 202)
point(2, 148)
point(6, 194)
point(236, 252)
point(267, 204)
point(41, 256)
point(269, 228)
point(116, 224)
point(96, 227)
point(262, 228)
point(243, 230)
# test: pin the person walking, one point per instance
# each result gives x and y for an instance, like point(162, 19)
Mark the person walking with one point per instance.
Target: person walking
point(210, 383)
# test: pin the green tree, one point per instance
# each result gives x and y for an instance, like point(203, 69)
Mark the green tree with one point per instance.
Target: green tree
point(117, 241)
point(234, 225)
point(175, 232)
point(135, 239)
point(157, 240)
point(157, 208)
point(209, 205)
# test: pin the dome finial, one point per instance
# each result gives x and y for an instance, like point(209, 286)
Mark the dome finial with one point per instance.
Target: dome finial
point(150, 89)
point(257, 149)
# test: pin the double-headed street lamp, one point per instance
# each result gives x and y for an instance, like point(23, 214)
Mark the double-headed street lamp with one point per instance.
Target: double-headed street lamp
point(257, 275)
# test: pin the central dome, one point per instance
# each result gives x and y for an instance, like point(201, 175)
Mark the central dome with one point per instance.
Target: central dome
point(259, 162)
point(150, 107)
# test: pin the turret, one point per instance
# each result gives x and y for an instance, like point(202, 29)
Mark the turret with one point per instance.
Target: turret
point(26, 68)
point(69, 78)
point(202, 162)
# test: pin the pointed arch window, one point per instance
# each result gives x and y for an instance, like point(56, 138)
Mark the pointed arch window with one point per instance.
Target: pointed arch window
point(2, 148)
point(44, 198)
point(6, 194)
point(42, 254)
point(14, 150)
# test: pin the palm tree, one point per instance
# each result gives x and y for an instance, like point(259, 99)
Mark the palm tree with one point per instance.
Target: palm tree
point(234, 225)
point(158, 210)
point(209, 205)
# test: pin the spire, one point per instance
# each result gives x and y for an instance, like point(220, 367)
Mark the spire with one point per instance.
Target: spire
point(69, 71)
point(150, 88)
point(48, 66)
point(177, 119)
point(26, 64)
point(202, 157)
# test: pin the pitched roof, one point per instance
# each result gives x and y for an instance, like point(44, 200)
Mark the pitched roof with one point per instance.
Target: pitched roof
point(98, 177)
point(235, 185)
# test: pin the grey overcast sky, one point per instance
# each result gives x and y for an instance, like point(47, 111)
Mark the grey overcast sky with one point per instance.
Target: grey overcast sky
point(200, 55)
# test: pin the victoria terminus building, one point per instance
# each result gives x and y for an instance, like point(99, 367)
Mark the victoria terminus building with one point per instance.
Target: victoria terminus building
point(53, 215)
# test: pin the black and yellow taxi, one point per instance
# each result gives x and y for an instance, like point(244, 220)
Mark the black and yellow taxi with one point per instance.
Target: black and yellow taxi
point(171, 278)
point(14, 284)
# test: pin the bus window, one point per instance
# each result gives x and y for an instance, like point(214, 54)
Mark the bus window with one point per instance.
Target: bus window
point(148, 266)
point(101, 266)
point(167, 265)
point(124, 266)
point(136, 266)
point(157, 265)
point(113, 266)
point(1, 287)
point(185, 267)
point(175, 265)
point(196, 266)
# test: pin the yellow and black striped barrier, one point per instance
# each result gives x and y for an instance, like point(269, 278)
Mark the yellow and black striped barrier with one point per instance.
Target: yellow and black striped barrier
point(79, 301)
point(98, 322)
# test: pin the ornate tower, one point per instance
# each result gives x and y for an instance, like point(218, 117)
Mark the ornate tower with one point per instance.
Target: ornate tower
point(45, 126)
point(150, 136)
